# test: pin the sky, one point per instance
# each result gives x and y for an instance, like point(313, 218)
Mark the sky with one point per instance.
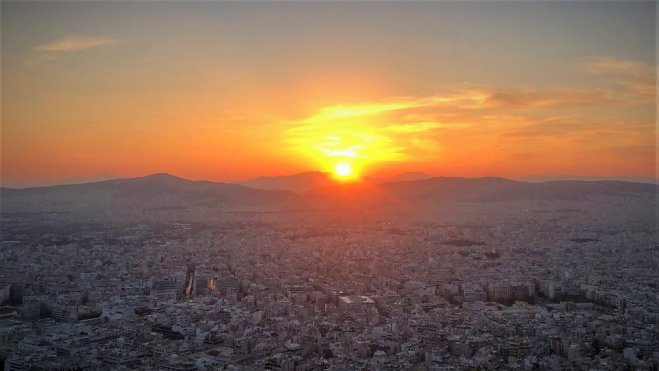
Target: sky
point(231, 90)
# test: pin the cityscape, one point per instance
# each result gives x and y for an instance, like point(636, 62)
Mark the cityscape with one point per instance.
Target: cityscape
point(545, 284)
point(329, 186)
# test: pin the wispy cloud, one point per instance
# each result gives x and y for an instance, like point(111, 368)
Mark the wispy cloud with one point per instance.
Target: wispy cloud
point(469, 97)
point(53, 50)
point(534, 98)
point(608, 65)
point(417, 127)
point(73, 43)
point(633, 78)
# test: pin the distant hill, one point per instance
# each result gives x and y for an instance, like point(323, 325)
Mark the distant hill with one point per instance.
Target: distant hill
point(153, 191)
point(296, 183)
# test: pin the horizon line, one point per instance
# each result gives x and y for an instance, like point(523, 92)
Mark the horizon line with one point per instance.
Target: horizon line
point(528, 179)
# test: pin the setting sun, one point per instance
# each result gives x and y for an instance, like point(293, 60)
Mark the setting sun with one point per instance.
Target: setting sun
point(343, 170)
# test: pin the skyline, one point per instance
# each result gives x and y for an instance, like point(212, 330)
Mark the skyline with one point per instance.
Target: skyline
point(229, 91)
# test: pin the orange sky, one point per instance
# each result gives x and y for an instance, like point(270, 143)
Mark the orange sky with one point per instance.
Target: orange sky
point(232, 91)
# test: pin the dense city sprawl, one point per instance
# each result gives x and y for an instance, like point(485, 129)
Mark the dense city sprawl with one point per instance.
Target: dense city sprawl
point(571, 286)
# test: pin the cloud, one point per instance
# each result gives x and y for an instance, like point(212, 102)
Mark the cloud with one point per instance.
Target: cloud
point(530, 98)
point(73, 44)
point(388, 130)
point(612, 66)
point(471, 97)
point(635, 79)
point(366, 109)
point(366, 132)
point(475, 120)
point(55, 49)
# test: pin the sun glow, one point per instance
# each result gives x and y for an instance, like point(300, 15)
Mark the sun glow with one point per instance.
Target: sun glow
point(348, 140)
point(343, 171)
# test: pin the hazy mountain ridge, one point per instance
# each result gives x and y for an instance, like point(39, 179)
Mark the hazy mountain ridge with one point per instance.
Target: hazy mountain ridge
point(164, 190)
point(152, 191)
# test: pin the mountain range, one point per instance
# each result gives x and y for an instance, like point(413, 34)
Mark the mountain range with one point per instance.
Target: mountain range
point(306, 190)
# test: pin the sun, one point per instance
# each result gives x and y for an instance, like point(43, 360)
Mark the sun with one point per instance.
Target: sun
point(343, 171)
